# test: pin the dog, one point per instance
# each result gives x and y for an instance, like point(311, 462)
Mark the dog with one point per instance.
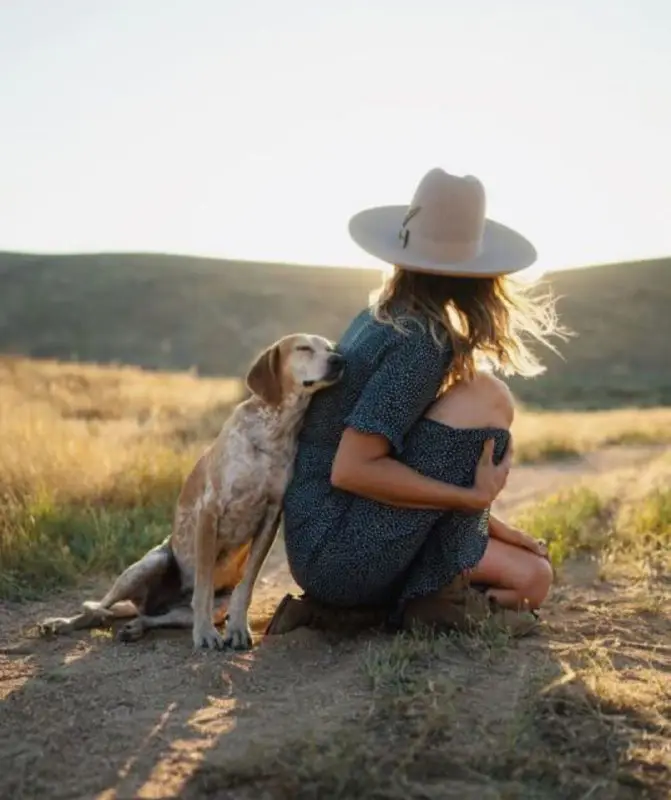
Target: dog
point(227, 514)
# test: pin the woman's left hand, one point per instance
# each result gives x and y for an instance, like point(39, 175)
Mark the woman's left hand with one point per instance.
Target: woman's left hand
point(506, 533)
point(537, 546)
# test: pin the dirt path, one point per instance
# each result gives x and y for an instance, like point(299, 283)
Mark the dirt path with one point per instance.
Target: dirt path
point(86, 716)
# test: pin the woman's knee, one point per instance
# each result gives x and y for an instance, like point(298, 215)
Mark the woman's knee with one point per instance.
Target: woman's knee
point(505, 566)
point(485, 401)
point(538, 582)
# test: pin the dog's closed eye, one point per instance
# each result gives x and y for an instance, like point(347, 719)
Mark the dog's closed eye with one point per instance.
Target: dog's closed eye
point(304, 348)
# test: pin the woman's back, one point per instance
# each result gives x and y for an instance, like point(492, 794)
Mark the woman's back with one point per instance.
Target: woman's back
point(380, 362)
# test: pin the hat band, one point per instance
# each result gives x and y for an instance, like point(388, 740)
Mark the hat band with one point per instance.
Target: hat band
point(441, 252)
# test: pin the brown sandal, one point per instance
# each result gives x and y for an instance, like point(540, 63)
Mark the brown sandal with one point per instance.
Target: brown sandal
point(291, 613)
point(460, 607)
point(456, 607)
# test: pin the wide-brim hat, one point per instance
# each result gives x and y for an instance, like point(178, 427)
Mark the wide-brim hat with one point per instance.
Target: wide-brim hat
point(444, 231)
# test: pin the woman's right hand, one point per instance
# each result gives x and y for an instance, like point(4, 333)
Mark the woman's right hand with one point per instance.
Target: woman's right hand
point(490, 478)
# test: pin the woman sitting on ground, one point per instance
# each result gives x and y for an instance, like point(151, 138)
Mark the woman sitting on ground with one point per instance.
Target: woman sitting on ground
point(398, 464)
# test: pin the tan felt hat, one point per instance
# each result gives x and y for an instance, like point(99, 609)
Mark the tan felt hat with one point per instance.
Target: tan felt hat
point(443, 231)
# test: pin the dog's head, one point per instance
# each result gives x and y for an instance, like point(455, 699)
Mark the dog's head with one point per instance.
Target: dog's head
point(297, 364)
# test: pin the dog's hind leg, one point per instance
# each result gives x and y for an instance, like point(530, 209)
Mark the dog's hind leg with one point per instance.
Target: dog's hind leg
point(93, 616)
point(179, 617)
point(125, 599)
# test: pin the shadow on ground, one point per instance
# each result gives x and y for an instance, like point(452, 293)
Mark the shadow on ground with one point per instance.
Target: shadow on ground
point(581, 711)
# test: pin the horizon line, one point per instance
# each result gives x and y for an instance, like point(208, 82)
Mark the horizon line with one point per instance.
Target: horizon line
point(301, 265)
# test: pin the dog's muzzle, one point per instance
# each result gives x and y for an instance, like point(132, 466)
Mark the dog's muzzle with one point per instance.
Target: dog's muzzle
point(335, 366)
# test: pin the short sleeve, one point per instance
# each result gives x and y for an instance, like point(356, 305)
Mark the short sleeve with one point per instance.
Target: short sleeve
point(403, 386)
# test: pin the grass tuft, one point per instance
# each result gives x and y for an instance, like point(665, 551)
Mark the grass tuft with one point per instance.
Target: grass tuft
point(571, 522)
point(629, 522)
point(549, 449)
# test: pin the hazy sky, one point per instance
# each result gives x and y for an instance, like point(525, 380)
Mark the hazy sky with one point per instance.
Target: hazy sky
point(255, 129)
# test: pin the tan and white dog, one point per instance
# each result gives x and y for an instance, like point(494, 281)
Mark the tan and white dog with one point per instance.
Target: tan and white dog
point(228, 511)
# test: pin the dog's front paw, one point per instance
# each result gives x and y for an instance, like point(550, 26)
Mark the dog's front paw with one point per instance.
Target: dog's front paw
point(52, 626)
point(238, 637)
point(207, 637)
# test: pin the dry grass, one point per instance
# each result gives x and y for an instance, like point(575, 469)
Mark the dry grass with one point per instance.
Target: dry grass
point(550, 436)
point(92, 461)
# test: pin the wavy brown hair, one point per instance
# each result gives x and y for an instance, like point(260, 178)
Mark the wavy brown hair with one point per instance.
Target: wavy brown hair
point(486, 318)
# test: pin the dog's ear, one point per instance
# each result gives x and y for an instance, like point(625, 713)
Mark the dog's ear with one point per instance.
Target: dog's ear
point(265, 378)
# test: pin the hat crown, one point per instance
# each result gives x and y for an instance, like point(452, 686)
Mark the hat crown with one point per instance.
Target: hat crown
point(443, 231)
point(446, 217)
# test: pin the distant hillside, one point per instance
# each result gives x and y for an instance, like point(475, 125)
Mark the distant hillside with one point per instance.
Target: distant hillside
point(622, 353)
point(178, 312)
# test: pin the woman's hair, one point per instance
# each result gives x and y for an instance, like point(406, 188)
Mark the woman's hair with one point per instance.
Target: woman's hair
point(482, 318)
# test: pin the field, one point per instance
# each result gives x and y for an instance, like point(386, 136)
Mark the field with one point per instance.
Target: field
point(177, 313)
point(92, 459)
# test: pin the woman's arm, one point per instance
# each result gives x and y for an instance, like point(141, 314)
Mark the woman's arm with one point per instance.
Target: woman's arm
point(362, 466)
point(406, 380)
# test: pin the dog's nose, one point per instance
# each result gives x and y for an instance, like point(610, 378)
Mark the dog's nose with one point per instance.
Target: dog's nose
point(336, 360)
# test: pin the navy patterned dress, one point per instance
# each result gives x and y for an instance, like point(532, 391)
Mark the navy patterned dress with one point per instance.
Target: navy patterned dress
point(347, 550)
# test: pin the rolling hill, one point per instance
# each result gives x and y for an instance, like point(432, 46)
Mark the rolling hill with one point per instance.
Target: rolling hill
point(178, 313)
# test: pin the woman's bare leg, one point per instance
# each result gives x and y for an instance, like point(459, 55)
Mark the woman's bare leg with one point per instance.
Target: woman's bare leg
point(517, 578)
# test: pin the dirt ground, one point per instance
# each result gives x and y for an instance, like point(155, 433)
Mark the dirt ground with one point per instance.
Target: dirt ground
point(86, 716)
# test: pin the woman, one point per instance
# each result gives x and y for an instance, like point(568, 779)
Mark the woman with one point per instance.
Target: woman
point(398, 465)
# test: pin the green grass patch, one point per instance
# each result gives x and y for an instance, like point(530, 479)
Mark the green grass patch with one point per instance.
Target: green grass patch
point(571, 522)
point(653, 519)
point(655, 515)
point(644, 528)
point(581, 520)
point(396, 666)
point(46, 546)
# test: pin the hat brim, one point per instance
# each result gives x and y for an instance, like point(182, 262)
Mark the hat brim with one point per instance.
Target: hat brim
point(503, 250)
